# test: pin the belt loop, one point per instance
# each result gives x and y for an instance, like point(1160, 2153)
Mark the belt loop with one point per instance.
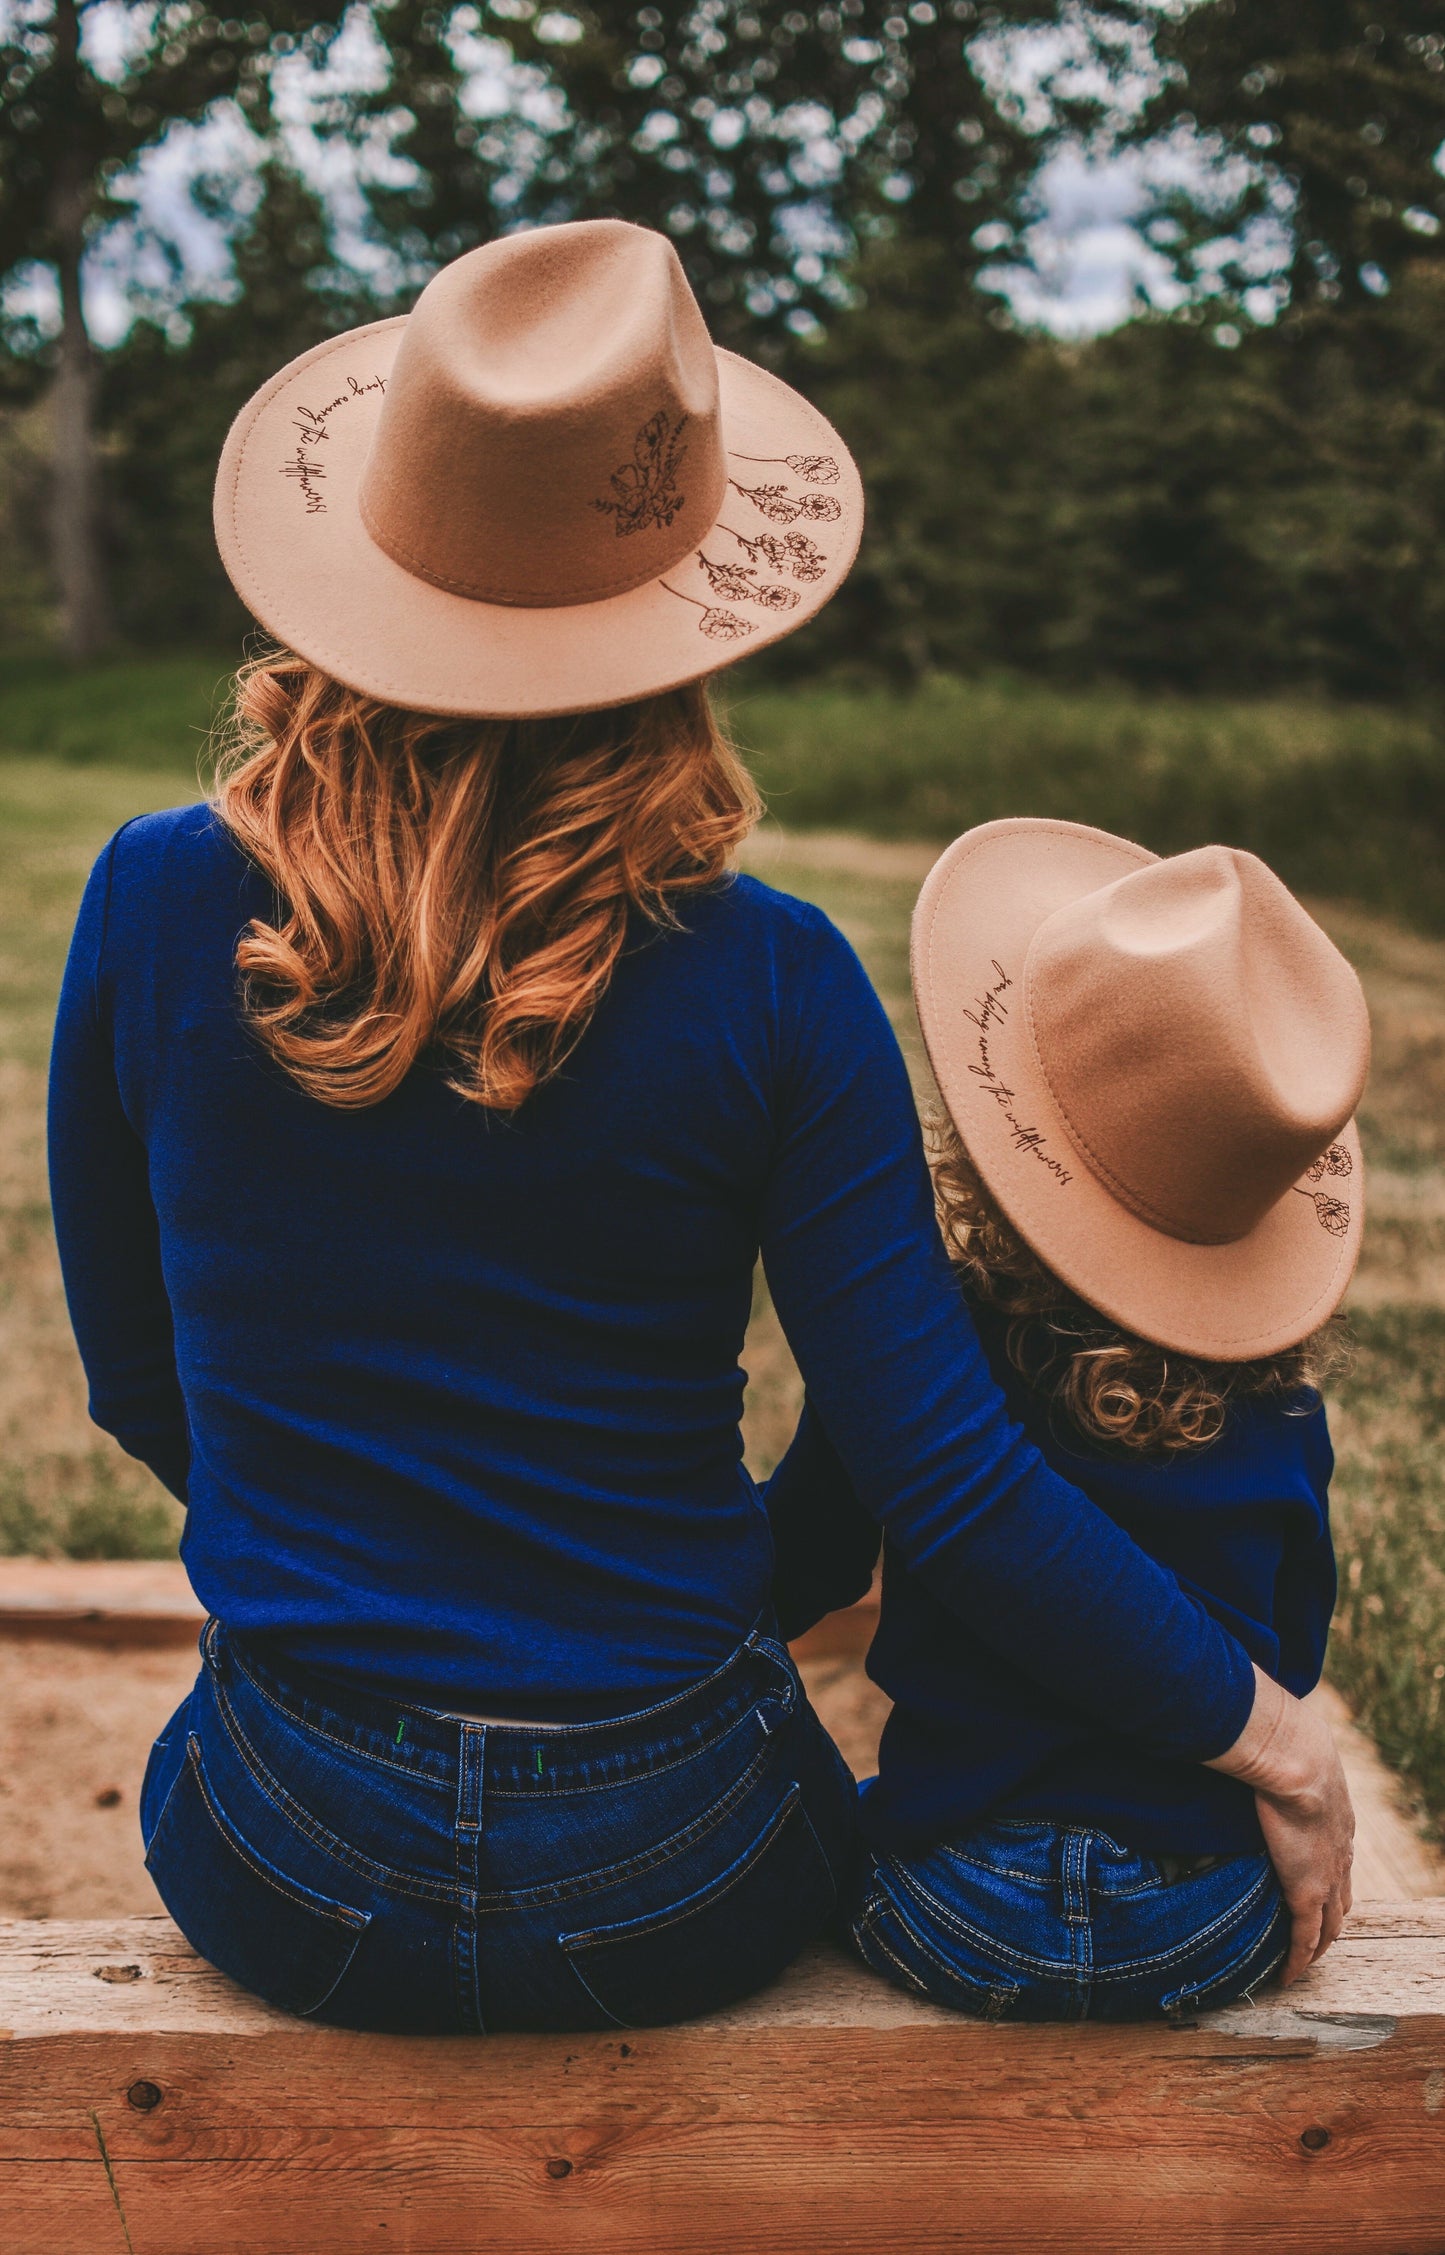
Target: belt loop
point(1074, 1877)
point(471, 1774)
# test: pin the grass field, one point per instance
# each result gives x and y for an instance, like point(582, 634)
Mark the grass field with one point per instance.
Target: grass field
point(1343, 800)
point(74, 766)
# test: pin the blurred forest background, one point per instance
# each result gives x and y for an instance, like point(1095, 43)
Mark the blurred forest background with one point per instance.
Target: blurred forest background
point(1240, 490)
point(1193, 558)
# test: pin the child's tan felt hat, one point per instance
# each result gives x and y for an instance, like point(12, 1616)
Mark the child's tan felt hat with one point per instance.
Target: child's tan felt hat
point(1153, 1065)
point(542, 491)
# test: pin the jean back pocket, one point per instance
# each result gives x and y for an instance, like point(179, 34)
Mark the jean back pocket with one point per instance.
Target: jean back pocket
point(278, 1939)
point(720, 1942)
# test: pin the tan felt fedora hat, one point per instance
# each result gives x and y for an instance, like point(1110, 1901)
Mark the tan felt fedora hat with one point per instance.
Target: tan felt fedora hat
point(1153, 1066)
point(543, 490)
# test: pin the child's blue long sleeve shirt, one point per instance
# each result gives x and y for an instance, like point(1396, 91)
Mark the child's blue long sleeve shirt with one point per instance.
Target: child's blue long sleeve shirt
point(974, 1733)
point(453, 1399)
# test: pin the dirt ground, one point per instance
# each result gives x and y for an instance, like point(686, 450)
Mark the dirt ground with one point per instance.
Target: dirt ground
point(76, 1725)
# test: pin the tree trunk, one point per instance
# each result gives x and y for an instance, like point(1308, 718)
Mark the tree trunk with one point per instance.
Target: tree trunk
point(75, 496)
point(75, 488)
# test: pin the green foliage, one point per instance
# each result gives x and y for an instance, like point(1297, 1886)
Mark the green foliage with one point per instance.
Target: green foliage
point(1341, 800)
point(714, 122)
point(85, 1506)
point(1388, 1644)
point(1147, 508)
point(1334, 112)
point(66, 132)
point(139, 712)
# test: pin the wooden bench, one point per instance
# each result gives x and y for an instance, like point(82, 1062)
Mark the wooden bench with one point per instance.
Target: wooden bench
point(147, 2107)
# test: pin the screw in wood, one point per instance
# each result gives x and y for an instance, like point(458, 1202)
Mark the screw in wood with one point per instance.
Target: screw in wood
point(1314, 2141)
point(144, 2097)
point(557, 2167)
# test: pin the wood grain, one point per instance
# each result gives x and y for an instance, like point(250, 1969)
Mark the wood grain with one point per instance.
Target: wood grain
point(108, 1600)
point(831, 2114)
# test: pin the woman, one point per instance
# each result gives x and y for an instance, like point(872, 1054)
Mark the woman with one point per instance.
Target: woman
point(418, 1113)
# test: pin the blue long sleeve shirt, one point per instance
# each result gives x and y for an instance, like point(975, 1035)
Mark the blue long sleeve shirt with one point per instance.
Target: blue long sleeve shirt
point(453, 1399)
point(974, 1733)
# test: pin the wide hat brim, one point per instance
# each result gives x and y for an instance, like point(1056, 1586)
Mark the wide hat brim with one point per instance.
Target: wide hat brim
point(304, 564)
point(977, 914)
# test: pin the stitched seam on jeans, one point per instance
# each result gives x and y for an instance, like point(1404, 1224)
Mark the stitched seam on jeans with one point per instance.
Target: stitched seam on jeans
point(1054, 1967)
point(766, 1647)
point(1122, 1969)
point(408, 1770)
point(1194, 1993)
point(311, 1828)
point(1218, 1928)
point(339, 1913)
point(175, 1784)
point(637, 1929)
point(1040, 1883)
point(867, 1926)
point(984, 1941)
point(686, 1751)
point(986, 1989)
point(647, 1859)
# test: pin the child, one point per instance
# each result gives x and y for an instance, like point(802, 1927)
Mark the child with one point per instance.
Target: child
point(1151, 1191)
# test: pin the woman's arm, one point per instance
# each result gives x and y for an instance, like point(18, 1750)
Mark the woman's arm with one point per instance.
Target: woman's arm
point(105, 1223)
point(893, 1364)
point(825, 1545)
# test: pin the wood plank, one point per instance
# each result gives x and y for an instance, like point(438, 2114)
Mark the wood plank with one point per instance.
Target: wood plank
point(106, 1600)
point(831, 2114)
point(60, 2207)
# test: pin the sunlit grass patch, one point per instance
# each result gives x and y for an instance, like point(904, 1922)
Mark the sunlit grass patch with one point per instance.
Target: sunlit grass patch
point(1343, 799)
point(153, 711)
point(92, 1503)
point(1388, 1646)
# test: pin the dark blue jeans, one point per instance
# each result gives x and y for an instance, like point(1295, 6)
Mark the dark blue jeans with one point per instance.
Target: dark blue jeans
point(387, 1866)
point(1034, 1921)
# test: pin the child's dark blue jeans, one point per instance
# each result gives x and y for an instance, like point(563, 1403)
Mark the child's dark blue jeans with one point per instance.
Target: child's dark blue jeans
point(1033, 1921)
point(388, 1866)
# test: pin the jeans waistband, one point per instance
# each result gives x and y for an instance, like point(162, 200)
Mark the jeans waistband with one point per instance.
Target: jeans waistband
point(425, 1742)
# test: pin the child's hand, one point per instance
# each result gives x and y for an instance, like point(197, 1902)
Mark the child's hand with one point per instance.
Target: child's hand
point(1288, 1754)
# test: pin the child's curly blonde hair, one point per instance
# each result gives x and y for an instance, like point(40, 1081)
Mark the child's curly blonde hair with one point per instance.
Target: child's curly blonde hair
point(1110, 1385)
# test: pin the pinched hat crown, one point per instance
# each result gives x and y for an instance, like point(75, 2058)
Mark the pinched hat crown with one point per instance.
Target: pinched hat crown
point(1202, 1038)
point(543, 490)
point(551, 431)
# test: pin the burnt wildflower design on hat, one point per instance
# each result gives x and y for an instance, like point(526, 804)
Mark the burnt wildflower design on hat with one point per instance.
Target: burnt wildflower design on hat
point(741, 582)
point(792, 552)
point(1330, 1212)
point(816, 469)
point(719, 625)
point(783, 507)
point(644, 490)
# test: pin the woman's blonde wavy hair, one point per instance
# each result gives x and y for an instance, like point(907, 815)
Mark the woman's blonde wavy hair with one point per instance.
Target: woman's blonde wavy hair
point(1107, 1384)
point(458, 887)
